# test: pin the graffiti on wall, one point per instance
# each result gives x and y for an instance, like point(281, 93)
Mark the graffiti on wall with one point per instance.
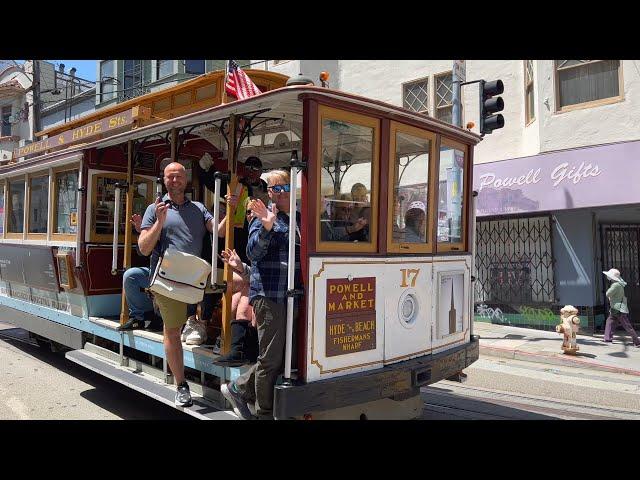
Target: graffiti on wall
point(536, 314)
point(489, 313)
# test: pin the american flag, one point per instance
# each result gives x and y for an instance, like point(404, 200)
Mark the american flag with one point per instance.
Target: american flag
point(239, 84)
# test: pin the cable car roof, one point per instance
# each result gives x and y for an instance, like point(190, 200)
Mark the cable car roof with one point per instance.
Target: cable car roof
point(279, 103)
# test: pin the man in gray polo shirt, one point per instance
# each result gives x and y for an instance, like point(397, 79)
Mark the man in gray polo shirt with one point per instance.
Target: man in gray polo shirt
point(178, 222)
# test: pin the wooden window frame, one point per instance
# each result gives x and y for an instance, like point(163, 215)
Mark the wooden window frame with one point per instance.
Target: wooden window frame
point(529, 117)
point(7, 208)
point(104, 237)
point(429, 81)
point(30, 235)
point(53, 198)
point(459, 247)
point(428, 247)
point(591, 104)
point(326, 113)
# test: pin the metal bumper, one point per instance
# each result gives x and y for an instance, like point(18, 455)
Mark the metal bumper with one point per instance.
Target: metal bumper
point(398, 381)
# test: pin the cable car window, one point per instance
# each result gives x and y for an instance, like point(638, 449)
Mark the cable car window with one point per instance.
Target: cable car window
point(104, 204)
point(66, 195)
point(348, 180)
point(16, 206)
point(411, 159)
point(38, 204)
point(451, 194)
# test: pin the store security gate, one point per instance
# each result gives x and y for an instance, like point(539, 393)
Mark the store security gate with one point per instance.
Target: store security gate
point(620, 249)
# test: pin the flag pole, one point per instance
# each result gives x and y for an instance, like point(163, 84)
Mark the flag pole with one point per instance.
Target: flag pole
point(224, 84)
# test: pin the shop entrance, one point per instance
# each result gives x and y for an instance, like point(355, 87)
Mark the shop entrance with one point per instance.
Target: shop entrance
point(620, 249)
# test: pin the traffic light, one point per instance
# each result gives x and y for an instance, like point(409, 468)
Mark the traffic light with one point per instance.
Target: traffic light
point(490, 105)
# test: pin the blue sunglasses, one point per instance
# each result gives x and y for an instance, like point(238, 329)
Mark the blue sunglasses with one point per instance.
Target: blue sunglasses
point(280, 188)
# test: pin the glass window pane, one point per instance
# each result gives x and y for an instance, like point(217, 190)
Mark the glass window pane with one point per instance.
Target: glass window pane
point(410, 189)
point(141, 198)
point(38, 204)
point(66, 198)
point(450, 195)
point(108, 82)
point(589, 82)
point(1, 209)
point(164, 67)
point(16, 206)
point(445, 114)
point(530, 105)
point(347, 167)
point(444, 90)
point(105, 203)
point(6, 124)
point(416, 96)
point(194, 66)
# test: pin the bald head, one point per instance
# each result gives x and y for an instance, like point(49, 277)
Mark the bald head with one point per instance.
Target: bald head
point(175, 166)
point(175, 179)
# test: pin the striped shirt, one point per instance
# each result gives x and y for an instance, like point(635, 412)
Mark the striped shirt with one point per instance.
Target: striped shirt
point(269, 255)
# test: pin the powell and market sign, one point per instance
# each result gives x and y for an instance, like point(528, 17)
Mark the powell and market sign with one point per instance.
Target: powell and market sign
point(585, 177)
point(106, 125)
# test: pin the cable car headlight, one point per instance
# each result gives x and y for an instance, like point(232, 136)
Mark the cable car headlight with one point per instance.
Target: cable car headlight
point(408, 308)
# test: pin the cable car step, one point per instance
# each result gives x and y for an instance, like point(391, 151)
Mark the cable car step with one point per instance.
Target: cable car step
point(148, 385)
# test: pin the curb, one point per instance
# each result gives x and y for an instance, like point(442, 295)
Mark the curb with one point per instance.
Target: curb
point(553, 360)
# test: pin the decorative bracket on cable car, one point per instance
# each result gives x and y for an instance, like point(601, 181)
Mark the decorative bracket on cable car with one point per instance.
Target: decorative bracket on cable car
point(182, 134)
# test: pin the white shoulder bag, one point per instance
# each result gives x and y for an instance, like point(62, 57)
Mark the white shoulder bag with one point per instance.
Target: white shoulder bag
point(181, 276)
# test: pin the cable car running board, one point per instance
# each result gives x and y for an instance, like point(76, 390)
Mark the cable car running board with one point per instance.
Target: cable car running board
point(144, 383)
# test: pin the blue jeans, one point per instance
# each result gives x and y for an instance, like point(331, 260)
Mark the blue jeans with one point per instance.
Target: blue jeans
point(135, 279)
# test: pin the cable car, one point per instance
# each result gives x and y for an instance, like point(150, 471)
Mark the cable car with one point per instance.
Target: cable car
point(386, 239)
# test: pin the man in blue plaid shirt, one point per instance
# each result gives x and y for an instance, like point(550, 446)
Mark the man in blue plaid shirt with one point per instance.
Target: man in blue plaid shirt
point(267, 249)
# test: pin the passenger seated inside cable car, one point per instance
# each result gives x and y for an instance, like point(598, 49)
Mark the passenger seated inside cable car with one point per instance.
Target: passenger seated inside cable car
point(342, 225)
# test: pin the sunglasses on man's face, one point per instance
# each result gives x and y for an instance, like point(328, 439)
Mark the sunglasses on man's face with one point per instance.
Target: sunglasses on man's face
point(254, 169)
point(280, 188)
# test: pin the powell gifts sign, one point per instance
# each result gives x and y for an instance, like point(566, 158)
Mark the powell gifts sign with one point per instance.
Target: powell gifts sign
point(351, 315)
point(106, 126)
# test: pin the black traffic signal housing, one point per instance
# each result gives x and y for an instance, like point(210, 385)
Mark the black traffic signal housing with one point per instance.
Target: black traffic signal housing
point(489, 104)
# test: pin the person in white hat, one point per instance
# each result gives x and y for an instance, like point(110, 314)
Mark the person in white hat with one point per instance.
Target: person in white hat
point(414, 221)
point(619, 311)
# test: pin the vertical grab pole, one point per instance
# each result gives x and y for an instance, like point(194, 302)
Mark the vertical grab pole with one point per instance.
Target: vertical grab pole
point(291, 267)
point(229, 237)
point(80, 217)
point(116, 231)
point(474, 194)
point(216, 222)
point(128, 229)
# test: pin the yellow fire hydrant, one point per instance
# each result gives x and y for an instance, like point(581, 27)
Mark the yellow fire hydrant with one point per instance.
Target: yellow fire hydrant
point(569, 328)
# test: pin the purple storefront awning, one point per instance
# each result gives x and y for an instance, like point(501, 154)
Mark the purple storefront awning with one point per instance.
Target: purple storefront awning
point(578, 178)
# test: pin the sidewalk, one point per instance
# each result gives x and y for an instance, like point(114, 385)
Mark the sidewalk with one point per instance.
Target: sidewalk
point(544, 347)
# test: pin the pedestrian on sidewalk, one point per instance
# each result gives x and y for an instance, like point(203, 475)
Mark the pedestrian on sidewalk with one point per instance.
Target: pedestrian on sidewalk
point(619, 311)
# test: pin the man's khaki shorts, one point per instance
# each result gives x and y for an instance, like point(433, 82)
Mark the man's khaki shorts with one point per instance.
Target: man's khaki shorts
point(173, 312)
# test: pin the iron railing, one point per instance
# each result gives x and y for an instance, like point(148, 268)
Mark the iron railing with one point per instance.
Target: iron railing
point(514, 261)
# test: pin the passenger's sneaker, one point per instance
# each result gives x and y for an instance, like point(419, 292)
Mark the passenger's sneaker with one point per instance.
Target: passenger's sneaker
point(188, 328)
point(240, 407)
point(183, 395)
point(131, 324)
point(197, 335)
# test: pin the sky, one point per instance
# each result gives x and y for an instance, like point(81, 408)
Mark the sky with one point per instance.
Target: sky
point(84, 68)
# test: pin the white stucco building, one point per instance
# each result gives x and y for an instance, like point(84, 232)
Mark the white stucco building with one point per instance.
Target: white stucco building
point(558, 199)
point(16, 108)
